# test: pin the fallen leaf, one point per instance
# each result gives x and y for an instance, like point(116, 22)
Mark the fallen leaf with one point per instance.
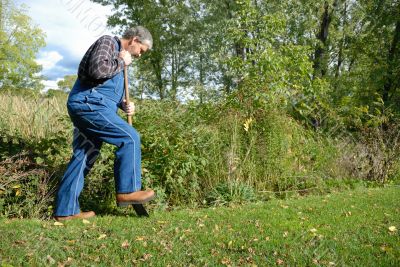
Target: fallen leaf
point(226, 261)
point(146, 256)
point(139, 238)
point(125, 244)
point(18, 192)
point(392, 229)
point(85, 221)
point(386, 248)
point(50, 260)
point(251, 250)
point(279, 261)
point(348, 213)
point(58, 224)
point(102, 236)
point(313, 230)
point(214, 252)
point(66, 263)
point(285, 234)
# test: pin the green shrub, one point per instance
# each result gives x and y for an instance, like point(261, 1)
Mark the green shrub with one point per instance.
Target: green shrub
point(26, 190)
point(192, 154)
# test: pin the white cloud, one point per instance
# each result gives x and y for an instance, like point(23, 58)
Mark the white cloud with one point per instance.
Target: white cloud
point(71, 26)
point(48, 59)
point(49, 84)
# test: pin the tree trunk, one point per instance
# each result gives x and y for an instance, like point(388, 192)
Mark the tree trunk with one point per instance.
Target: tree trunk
point(320, 67)
point(387, 88)
point(341, 45)
point(158, 73)
point(201, 79)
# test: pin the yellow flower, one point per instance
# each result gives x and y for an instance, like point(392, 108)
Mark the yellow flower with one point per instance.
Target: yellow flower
point(247, 124)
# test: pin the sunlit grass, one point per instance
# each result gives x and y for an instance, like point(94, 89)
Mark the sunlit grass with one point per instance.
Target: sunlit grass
point(351, 228)
point(31, 117)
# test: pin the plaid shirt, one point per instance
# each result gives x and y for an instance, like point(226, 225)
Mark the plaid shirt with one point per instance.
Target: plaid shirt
point(100, 61)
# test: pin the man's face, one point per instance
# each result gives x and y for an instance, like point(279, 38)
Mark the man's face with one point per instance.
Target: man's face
point(136, 48)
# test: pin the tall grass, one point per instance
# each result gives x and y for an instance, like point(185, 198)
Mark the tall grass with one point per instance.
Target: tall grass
point(36, 117)
point(33, 140)
point(270, 153)
point(192, 154)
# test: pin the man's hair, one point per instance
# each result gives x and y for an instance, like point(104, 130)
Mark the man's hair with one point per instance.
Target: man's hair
point(141, 33)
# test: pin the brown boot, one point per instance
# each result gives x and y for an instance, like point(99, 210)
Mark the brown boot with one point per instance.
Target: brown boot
point(138, 197)
point(82, 215)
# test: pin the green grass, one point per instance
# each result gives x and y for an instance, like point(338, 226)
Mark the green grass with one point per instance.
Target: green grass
point(348, 228)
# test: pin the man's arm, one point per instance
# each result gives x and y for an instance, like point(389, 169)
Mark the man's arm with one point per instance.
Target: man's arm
point(103, 64)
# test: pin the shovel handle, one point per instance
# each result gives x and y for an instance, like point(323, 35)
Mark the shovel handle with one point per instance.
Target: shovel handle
point(127, 91)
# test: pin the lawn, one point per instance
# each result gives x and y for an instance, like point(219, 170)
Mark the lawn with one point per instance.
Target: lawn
point(349, 228)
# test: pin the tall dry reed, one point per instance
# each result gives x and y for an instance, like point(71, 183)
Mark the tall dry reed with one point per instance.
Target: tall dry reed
point(31, 117)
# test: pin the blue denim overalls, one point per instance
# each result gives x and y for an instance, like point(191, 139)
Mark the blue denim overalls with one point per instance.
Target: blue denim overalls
point(93, 111)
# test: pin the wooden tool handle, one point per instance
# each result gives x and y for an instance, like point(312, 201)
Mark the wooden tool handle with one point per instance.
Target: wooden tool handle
point(127, 92)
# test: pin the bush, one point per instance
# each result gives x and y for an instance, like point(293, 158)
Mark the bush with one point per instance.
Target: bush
point(27, 189)
point(192, 154)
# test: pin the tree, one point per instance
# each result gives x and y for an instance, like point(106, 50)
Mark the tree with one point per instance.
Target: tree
point(164, 67)
point(206, 46)
point(366, 51)
point(184, 54)
point(20, 40)
point(67, 82)
point(320, 58)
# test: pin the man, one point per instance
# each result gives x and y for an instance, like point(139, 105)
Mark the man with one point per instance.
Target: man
point(92, 106)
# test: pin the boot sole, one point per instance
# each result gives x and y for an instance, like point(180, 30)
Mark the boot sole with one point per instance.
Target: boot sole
point(127, 203)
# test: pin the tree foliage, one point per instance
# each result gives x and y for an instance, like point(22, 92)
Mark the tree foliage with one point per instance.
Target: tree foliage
point(332, 58)
point(67, 82)
point(20, 40)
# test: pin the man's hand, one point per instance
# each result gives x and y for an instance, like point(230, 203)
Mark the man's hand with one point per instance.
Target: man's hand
point(129, 109)
point(126, 56)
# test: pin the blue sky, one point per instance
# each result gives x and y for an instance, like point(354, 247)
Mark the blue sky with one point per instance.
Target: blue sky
point(71, 26)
